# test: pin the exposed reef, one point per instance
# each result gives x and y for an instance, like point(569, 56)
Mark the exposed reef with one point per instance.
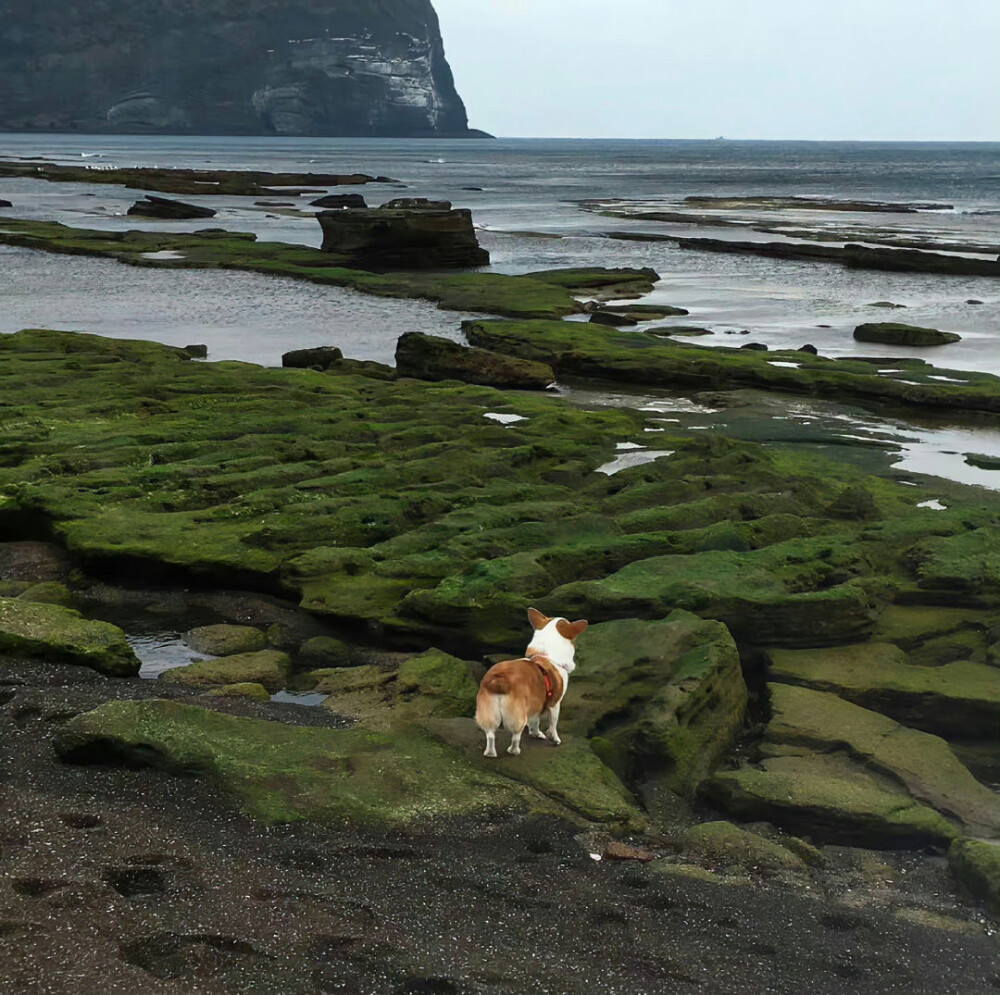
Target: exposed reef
point(577, 349)
point(225, 182)
point(543, 294)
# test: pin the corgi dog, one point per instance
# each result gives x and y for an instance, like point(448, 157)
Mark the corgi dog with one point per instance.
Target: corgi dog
point(517, 693)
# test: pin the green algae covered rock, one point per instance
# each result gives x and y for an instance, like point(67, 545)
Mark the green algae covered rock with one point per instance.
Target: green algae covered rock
point(723, 844)
point(574, 349)
point(225, 640)
point(924, 764)
point(255, 692)
point(976, 864)
point(61, 635)
point(570, 774)
point(831, 799)
point(959, 699)
point(762, 595)
point(48, 592)
point(436, 684)
point(847, 774)
point(662, 701)
point(432, 357)
point(365, 694)
point(894, 333)
point(270, 668)
point(324, 651)
point(283, 773)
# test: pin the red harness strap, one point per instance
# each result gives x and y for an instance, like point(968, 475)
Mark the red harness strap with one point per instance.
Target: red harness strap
point(549, 691)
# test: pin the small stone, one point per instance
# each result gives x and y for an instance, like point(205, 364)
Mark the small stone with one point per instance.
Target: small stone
point(623, 851)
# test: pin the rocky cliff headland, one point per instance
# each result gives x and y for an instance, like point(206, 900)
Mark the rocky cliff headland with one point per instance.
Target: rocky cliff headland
point(306, 67)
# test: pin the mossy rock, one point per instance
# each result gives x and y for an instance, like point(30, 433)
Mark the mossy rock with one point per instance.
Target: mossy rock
point(570, 774)
point(365, 694)
point(961, 569)
point(585, 350)
point(324, 652)
point(781, 594)
point(976, 864)
point(894, 333)
point(435, 684)
point(284, 773)
point(724, 844)
point(49, 593)
point(270, 668)
point(924, 765)
point(61, 635)
point(255, 692)
point(831, 799)
point(225, 640)
point(432, 357)
point(663, 701)
point(956, 699)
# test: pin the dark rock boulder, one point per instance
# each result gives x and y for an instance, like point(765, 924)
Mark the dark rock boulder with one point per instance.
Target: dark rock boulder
point(892, 333)
point(5, 203)
point(612, 320)
point(429, 357)
point(392, 238)
point(306, 359)
point(416, 204)
point(338, 201)
point(169, 210)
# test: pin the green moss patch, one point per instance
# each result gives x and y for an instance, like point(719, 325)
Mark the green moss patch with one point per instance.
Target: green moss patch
point(597, 351)
point(959, 699)
point(267, 667)
point(61, 635)
point(282, 773)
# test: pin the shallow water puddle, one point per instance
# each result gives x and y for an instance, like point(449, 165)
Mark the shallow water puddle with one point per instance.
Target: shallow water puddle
point(504, 419)
point(162, 651)
point(307, 699)
point(633, 458)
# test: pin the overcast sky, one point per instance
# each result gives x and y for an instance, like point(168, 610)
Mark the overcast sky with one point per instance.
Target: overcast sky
point(811, 69)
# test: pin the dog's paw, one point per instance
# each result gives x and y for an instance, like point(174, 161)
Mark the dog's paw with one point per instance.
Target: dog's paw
point(490, 753)
point(514, 752)
point(556, 741)
point(536, 734)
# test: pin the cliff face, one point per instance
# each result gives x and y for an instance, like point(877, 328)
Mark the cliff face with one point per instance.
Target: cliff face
point(287, 67)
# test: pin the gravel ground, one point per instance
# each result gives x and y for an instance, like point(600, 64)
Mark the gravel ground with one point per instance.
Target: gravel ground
point(117, 880)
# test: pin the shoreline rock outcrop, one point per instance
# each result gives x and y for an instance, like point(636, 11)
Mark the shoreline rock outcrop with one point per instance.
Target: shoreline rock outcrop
point(403, 234)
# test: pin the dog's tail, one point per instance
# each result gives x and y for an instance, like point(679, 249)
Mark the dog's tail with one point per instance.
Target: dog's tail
point(490, 701)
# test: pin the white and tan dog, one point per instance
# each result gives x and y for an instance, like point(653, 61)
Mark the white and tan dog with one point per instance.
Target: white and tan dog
point(517, 693)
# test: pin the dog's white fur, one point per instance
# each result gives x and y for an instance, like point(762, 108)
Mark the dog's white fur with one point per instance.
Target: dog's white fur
point(515, 693)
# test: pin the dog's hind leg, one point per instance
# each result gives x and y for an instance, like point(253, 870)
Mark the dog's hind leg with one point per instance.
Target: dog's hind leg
point(515, 743)
point(488, 718)
point(533, 731)
point(491, 744)
point(553, 732)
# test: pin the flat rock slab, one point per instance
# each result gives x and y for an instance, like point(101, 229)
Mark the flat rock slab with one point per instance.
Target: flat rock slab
point(268, 667)
point(831, 799)
point(960, 699)
point(61, 635)
point(570, 774)
point(225, 640)
point(667, 696)
point(431, 357)
point(283, 773)
point(893, 333)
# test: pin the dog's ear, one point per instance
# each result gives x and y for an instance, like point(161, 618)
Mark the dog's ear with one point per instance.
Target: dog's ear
point(570, 630)
point(537, 619)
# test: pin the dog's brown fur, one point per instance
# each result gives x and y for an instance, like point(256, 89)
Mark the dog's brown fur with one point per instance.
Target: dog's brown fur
point(518, 693)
